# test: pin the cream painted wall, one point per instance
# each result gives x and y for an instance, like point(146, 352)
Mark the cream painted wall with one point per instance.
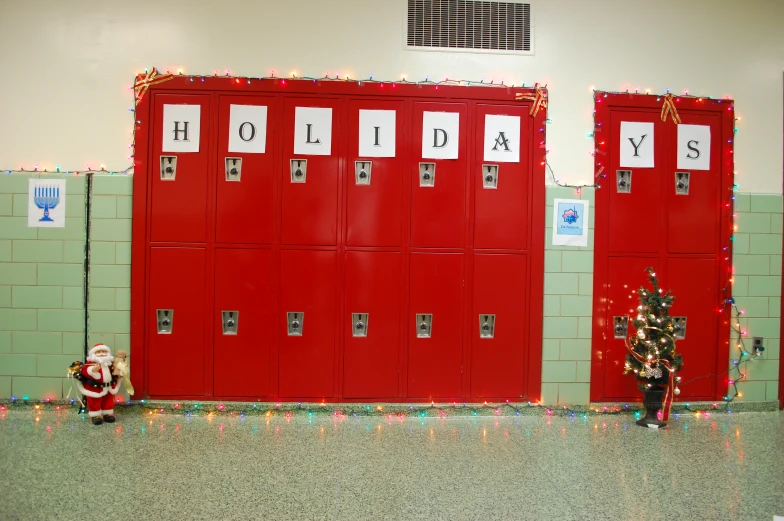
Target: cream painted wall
point(67, 64)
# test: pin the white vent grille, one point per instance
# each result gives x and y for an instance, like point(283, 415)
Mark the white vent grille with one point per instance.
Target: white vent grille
point(469, 24)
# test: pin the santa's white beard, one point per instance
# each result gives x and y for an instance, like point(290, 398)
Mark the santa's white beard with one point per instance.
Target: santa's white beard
point(102, 360)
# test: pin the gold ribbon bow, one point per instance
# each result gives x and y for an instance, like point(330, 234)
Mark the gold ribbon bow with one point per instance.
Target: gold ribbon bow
point(669, 108)
point(145, 81)
point(539, 100)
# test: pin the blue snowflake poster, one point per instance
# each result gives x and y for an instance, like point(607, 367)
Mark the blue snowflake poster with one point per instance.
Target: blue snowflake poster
point(570, 222)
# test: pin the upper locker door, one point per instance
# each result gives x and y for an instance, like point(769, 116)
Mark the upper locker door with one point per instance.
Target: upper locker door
point(694, 184)
point(310, 174)
point(244, 209)
point(502, 170)
point(179, 168)
point(637, 168)
point(438, 182)
point(375, 177)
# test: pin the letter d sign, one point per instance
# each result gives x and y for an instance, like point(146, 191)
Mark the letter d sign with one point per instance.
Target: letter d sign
point(440, 135)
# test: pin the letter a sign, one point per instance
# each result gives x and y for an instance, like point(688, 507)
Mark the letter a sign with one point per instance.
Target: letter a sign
point(502, 138)
point(181, 128)
point(440, 135)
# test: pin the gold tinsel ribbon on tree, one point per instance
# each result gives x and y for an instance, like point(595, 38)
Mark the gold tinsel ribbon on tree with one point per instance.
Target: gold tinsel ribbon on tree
point(669, 108)
point(539, 99)
point(145, 81)
point(669, 394)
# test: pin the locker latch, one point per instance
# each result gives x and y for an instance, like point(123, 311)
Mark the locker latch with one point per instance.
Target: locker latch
point(230, 322)
point(681, 183)
point(165, 321)
point(620, 327)
point(233, 168)
point(679, 327)
point(424, 324)
point(299, 170)
point(362, 171)
point(427, 174)
point(168, 168)
point(624, 181)
point(486, 326)
point(296, 320)
point(489, 176)
point(359, 323)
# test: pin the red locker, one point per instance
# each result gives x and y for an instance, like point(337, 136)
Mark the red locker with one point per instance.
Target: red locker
point(499, 343)
point(435, 352)
point(693, 282)
point(646, 186)
point(179, 179)
point(307, 323)
point(502, 189)
point(438, 203)
point(375, 184)
point(176, 331)
point(244, 203)
point(372, 325)
point(693, 216)
point(625, 276)
point(243, 322)
point(309, 211)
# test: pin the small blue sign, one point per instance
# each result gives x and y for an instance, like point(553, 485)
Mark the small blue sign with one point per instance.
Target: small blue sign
point(570, 222)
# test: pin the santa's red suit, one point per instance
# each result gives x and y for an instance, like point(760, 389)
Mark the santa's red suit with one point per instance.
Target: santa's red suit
point(98, 384)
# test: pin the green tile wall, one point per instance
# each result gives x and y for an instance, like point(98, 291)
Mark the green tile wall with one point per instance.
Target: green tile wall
point(41, 295)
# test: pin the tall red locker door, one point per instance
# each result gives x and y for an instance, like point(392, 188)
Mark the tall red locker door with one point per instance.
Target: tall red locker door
point(499, 342)
point(371, 325)
point(180, 168)
point(637, 167)
point(625, 276)
point(435, 348)
point(375, 179)
point(503, 176)
point(244, 194)
point(438, 179)
point(243, 323)
point(176, 323)
point(693, 282)
point(307, 324)
point(694, 184)
point(309, 175)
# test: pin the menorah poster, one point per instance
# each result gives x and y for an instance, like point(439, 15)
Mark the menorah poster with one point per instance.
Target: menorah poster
point(46, 203)
point(570, 222)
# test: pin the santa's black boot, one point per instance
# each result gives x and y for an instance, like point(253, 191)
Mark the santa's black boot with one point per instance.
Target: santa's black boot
point(109, 418)
point(97, 420)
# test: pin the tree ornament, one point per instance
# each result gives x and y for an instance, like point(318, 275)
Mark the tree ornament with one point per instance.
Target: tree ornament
point(677, 390)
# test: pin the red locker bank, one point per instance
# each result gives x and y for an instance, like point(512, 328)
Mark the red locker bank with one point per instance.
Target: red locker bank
point(666, 203)
point(337, 241)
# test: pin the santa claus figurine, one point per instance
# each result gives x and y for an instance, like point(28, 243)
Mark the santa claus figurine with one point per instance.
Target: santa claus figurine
point(99, 385)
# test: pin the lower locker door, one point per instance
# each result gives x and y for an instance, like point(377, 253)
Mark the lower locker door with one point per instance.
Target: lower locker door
point(243, 322)
point(693, 283)
point(498, 330)
point(307, 324)
point(372, 325)
point(625, 276)
point(176, 322)
point(435, 352)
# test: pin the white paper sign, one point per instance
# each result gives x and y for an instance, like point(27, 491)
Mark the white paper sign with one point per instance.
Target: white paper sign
point(377, 133)
point(313, 131)
point(570, 222)
point(636, 144)
point(248, 129)
point(181, 128)
point(46, 203)
point(440, 135)
point(502, 138)
point(694, 147)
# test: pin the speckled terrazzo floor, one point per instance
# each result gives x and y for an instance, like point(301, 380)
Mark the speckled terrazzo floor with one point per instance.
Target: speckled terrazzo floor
point(164, 467)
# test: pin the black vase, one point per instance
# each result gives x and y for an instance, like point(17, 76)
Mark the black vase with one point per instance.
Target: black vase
point(652, 400)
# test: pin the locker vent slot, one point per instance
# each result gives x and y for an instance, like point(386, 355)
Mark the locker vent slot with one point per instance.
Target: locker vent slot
point(469, 24)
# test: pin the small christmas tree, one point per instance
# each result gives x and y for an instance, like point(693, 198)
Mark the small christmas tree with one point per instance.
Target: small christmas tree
point(652, 354)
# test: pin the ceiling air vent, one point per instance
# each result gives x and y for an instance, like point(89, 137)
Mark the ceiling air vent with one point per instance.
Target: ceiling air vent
point(469, 25)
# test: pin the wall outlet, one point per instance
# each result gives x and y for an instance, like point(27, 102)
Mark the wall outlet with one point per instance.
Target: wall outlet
point(757, 341)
